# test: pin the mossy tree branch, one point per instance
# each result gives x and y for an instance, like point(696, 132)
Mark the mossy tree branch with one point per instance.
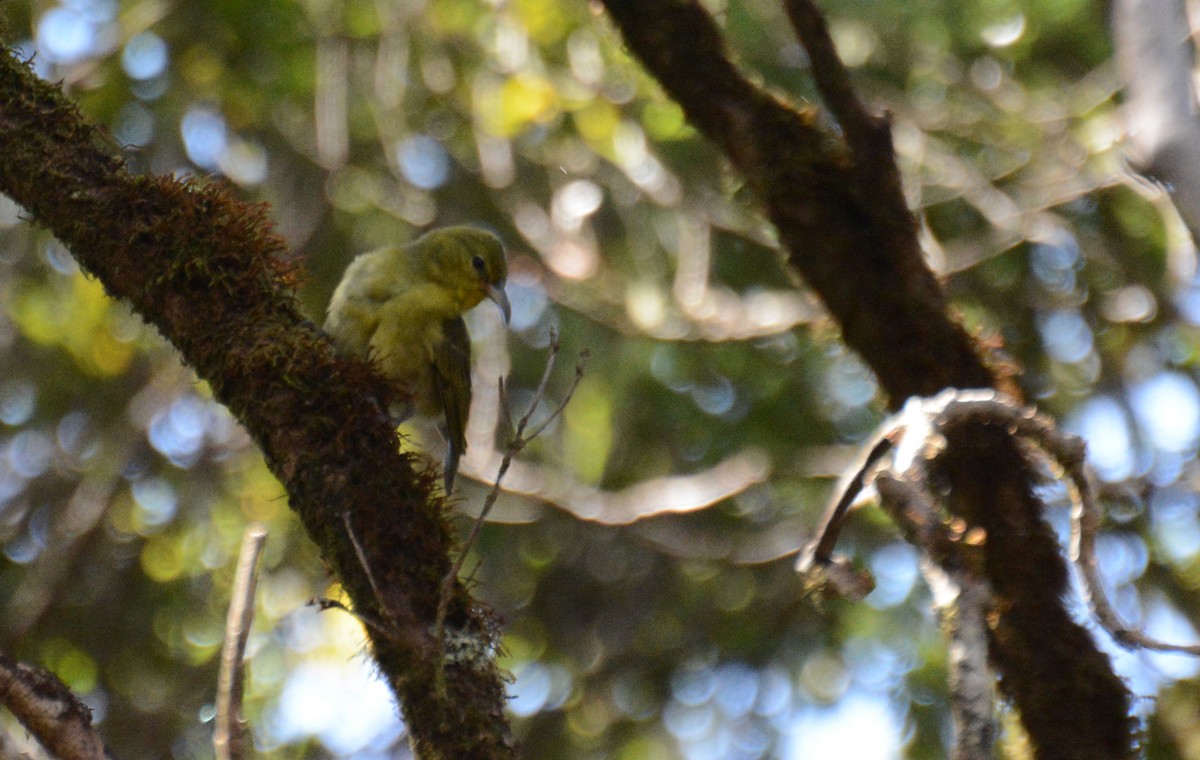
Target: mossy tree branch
point(204, 269)
point(837, 203)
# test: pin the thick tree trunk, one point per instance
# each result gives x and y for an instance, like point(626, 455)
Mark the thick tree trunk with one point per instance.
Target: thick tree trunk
point(204, 270)
point(840, 212)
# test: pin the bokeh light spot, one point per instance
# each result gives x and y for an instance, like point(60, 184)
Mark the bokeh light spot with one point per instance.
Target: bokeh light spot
point(1167, 406)
point(144, 56)
point(423, 162)
point(204, 136)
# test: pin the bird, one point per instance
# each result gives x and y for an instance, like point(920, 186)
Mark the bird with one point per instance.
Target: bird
point(403, 307)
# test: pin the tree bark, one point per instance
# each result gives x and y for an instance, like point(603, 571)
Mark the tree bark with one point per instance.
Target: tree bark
point(205, 270)
point(838, 205)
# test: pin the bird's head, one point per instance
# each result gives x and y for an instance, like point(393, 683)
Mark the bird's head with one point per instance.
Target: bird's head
point(468, 261)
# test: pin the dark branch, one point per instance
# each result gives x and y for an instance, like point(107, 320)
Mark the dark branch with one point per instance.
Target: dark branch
point(204, 269)
point(859, 253)
point(848, 233)
point(820, 550)
point(862, 129)
point(49, 711)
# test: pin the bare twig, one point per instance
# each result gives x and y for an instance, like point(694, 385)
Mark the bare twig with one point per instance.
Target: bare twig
point(362, 560)
point(562, 405)
point(505, 408)
point(821, 550)
point(48, 710)
point(1085, 526)
point(520, 439)
point(556, 488)
point(229, 731)
point(325, 603)
point(540, 392)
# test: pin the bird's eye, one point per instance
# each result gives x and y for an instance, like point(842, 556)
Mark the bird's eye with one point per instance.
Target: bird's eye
point(477, 262)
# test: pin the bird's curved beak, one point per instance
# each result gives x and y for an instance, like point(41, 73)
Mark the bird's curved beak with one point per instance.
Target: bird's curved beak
point(500, 298)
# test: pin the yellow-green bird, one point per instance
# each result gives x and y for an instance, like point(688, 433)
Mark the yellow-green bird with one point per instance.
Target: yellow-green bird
point(403, 307)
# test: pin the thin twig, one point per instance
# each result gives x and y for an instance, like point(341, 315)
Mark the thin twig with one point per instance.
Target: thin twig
point(820, 551)
point(325, 603)
point(1085, 526)
point(519, 440)
point(362, 561)
point(229, 732)
point(398, 623)
point(580, 368)
point(540, 392)
point(510, 428)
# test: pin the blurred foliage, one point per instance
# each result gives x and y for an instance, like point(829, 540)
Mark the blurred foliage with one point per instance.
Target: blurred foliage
point(714, 382)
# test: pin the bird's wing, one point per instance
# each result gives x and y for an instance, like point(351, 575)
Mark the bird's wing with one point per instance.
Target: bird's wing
point(452, 383)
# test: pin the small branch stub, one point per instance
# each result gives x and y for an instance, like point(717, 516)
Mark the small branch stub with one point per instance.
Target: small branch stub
point(49, 711)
